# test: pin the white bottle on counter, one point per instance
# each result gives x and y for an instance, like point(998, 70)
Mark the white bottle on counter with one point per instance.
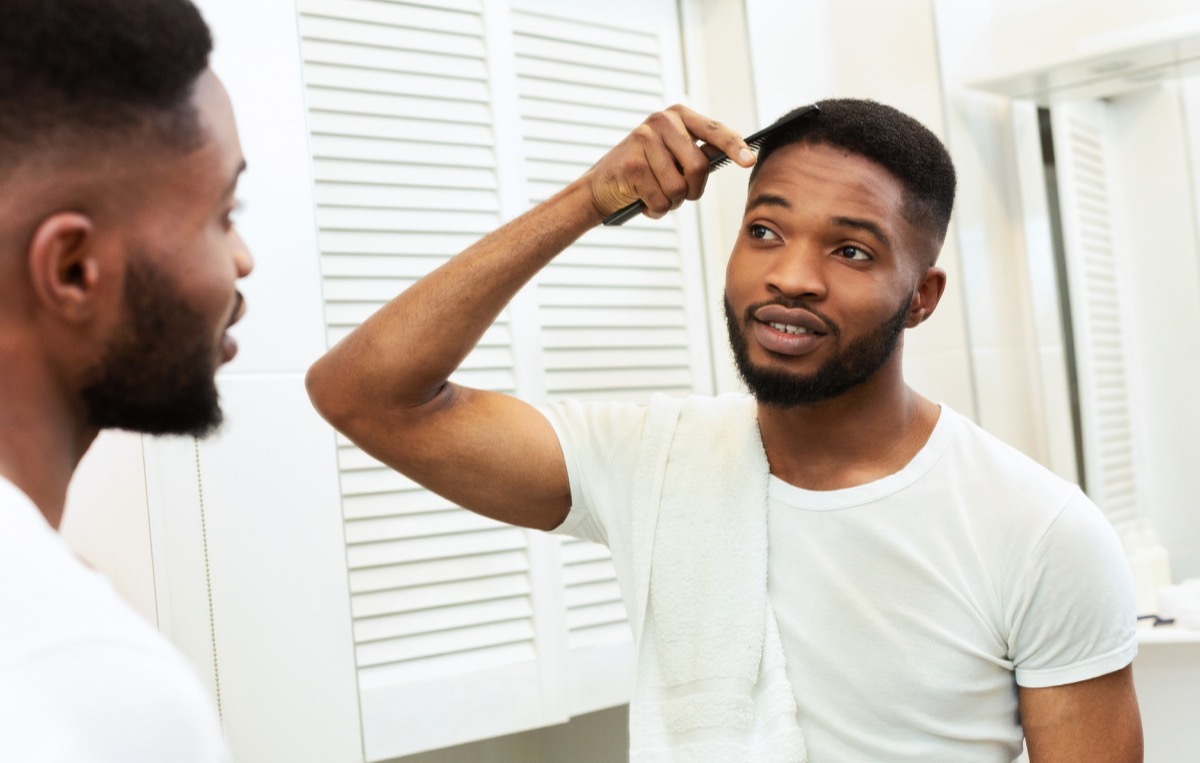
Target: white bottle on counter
point(1150, 564)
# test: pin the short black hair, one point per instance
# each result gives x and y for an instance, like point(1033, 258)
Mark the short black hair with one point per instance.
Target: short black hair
point(890, 138)
point(86, 73)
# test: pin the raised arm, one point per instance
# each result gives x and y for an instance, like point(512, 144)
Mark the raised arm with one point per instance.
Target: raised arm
point(385, 385)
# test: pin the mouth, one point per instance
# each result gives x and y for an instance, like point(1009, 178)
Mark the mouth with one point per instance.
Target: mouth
point(788, 330)
point(229, 345)
point(786, 338)
point(239, 309)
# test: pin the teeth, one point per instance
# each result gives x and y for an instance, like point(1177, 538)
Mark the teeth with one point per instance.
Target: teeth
point(788, 328)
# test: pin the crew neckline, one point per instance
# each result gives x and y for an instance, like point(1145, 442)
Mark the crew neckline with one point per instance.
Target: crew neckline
point(844, 498)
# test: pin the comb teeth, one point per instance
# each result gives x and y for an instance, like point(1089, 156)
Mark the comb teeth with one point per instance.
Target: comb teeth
point(754, 141)
point(723, 159)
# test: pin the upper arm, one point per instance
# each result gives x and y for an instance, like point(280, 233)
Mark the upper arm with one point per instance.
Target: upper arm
point(486, 451)
point(1094, 721)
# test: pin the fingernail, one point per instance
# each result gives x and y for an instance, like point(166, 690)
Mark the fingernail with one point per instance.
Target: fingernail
point(745, 156)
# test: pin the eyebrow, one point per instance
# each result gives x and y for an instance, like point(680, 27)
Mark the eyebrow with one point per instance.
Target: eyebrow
point(767, 200)
point(233, 183)
point(864, 225)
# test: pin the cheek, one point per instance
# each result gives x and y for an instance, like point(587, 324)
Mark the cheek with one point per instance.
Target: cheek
point(210, 282)
point(741, 274)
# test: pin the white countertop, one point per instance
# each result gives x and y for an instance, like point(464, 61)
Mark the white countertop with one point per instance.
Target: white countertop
point(1167, 634)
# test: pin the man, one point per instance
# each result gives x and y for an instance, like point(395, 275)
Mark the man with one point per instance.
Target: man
point(119, 160)
point(836, 563)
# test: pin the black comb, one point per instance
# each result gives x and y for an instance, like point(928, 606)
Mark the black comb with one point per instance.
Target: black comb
point(755, 141)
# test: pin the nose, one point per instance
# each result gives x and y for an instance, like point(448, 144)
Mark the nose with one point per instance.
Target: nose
point(798, 272)
point(242, 260)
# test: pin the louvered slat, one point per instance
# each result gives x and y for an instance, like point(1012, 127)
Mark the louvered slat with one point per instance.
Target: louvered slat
point(612, 308)
point(406, 176)
point(1085, 178)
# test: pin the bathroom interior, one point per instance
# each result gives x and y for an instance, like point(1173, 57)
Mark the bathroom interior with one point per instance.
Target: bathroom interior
point(342, 613)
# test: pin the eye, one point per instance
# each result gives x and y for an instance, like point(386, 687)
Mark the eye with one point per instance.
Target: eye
point(230, 218)
point(852, 252)
point(761, 232)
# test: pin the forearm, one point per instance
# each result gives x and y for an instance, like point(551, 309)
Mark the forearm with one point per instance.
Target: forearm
point(401, 357)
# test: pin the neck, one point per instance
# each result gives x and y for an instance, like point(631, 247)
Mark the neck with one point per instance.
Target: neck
point(42, 438)
point(865, 434)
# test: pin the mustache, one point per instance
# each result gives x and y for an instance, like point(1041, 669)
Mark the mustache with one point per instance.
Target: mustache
point(792, 304)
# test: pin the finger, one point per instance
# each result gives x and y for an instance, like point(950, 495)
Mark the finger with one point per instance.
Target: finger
point(690, 160)
point(716, 134)
point(668, 175)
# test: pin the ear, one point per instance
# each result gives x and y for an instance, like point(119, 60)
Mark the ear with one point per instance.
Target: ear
point(64, 266)
point(926, 297)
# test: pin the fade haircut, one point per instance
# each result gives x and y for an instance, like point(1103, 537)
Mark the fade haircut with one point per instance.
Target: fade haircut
point(893, 140)
point(85, 75)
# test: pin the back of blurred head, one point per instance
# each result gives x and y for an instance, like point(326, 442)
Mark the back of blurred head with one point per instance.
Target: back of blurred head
point(107, 118)
point(83, 76)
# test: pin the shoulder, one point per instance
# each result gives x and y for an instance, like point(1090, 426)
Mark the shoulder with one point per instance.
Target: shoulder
point(1000, 470)
point(1007, 502)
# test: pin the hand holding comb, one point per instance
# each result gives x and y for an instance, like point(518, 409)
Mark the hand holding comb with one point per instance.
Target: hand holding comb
point(755, 141)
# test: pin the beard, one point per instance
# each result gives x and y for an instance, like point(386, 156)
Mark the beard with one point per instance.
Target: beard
point(157, 375)
point(854, 365)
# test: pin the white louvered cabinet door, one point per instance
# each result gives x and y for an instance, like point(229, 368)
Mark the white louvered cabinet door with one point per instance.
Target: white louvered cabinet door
point(1091, 233)
point(431, 124)
point(618, 312)
point(448, 633)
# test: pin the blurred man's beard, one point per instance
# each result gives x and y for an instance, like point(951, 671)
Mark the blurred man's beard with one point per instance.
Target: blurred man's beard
point(854, 365)
point(157, 376)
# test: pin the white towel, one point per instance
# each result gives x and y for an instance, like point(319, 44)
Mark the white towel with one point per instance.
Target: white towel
point(711, 680)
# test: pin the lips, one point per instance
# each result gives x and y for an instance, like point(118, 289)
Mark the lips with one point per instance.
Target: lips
point(799, 319)
point(238, 310)
point(229, 346)
point(788, 330)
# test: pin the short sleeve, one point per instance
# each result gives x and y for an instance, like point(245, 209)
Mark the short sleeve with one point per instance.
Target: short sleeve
point(1073, 616)
point(599, 442)
point(106, 703)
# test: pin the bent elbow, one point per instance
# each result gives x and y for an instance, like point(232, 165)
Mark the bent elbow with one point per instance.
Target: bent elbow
point(321, 386)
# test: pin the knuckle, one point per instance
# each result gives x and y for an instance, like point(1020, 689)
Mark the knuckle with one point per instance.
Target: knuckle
point(632, 166)
point(644, 131)
point(658, 203)
point(657, 120)
point(697, 165)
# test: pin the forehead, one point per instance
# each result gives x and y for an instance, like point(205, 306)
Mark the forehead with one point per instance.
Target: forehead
point(191, 184)
point(216, 116)
point(823, 178)
point(219, 156)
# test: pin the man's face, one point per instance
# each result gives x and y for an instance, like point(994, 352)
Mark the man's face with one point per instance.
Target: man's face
point(822, 277)
point(182, 259)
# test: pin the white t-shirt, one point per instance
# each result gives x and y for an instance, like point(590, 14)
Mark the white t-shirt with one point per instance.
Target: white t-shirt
point(83, 678)
point(911, 607)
